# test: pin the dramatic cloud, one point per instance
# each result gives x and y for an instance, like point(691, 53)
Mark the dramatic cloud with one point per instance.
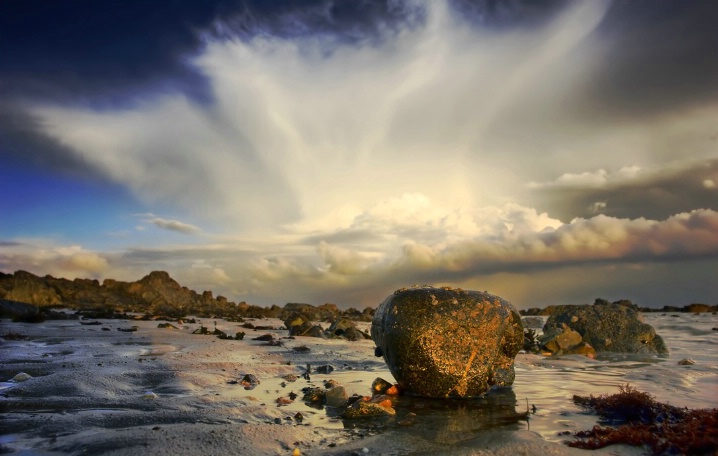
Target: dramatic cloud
point(632, 192)
point(336, 151)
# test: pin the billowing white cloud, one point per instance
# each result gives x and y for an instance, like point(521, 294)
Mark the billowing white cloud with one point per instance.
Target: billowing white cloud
point(352, 272)
point(340, 172)
point(299, 128)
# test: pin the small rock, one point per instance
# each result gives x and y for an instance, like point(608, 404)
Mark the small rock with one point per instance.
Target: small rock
point(686, 362)
point(167, 326)
point(316, 396)
point(249, 381)
point(559, 340)
point(380, 386)
point(336, 397)
point(325, 369)
point(364, 409)
point(21, 377)
point(149, 395)
point(331, 384)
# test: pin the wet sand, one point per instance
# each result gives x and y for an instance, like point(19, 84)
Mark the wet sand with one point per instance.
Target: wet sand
point(97, 390)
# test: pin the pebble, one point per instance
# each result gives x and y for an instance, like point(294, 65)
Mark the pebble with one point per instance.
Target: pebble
point(686, 362)
point(21, 377)
point(149, 395)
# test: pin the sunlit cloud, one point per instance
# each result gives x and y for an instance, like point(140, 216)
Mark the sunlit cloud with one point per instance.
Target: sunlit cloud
point(435, 151)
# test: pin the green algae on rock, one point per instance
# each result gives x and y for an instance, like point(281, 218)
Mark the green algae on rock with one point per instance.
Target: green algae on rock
point(445, 342)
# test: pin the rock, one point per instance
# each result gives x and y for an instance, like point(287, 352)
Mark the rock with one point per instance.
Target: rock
point(324, 369)
point(149, 395)
point(331, 383)
point(314, 331)
point(18, 311)
point(299, 324)
point(345, 328)
point(355, 334)
point(608, 328)
point(686, 362)
point(560, 340)
point(314, 396)
point(699, 308)
point(380, 386)
point(441, 342)
point(336, 397)
point(166, 326)
point(249, 381)
point(582, 348)
point(367, 409)
point(21, 377)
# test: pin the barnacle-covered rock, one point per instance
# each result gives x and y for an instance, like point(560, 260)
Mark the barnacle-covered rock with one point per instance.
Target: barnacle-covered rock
point(609, 328)
point(444, 342)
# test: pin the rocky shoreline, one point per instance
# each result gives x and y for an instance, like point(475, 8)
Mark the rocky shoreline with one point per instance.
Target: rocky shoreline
point(158, 295)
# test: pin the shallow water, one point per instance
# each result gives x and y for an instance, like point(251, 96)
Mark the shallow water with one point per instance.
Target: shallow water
point(546, 383)
point(192, 376)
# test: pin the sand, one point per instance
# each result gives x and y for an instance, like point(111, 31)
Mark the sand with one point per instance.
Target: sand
point(97, 390)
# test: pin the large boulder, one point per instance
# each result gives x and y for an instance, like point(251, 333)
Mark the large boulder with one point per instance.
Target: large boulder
point(443, 342)
point(608, 328)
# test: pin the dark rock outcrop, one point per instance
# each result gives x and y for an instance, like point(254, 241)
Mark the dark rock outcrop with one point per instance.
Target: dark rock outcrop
point(607, 327)
point(443, 342)
point(18, 310)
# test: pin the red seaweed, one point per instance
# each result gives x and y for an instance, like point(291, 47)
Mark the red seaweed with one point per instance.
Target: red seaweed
point(636, 418)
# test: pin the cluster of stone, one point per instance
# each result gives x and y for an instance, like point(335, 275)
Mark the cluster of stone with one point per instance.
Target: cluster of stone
point(299, 324)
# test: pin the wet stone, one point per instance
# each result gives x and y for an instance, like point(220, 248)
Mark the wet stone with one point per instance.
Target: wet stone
point(608, 328)
point(336, 397)
point(444, 342)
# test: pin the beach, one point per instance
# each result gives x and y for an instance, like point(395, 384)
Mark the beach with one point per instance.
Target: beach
point(99, 387)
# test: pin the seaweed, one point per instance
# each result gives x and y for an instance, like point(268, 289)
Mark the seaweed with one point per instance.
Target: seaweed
point(635, 418)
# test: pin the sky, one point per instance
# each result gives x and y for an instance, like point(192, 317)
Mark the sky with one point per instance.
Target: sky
point(549, 152)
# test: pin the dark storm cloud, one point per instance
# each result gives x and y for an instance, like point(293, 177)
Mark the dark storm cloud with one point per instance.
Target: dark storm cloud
point(657, 56)
point(69, 50)
point(652, 195)
point(22, 142)
point(106, 53)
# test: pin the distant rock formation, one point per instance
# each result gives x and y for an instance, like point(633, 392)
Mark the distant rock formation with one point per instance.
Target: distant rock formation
point(155, 294)
point(693, 308)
